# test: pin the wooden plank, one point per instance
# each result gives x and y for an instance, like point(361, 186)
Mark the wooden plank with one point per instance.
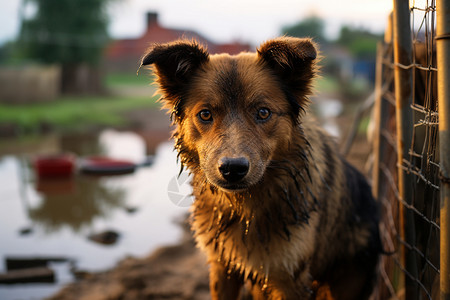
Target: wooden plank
point(33, 275)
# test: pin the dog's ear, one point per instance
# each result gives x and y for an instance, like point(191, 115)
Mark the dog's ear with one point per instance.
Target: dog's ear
point(293, 61)
point(174, 65)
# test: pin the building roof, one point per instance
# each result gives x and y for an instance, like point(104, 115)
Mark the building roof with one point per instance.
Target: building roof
point(155, 33)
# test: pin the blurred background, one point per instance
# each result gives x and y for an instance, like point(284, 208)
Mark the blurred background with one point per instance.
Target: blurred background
point(88, 176)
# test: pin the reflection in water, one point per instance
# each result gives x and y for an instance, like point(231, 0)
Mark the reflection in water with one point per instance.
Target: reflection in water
point(129, 146)
point(42, 218)
point(74, 202)
point(81, 144)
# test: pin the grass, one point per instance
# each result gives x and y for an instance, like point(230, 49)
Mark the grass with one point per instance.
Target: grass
point(72, 113)
point(364, 125)
point(327, 85)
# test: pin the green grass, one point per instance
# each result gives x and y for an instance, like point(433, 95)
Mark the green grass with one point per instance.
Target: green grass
point(129, 79)
point(327, 85)
point(72, 113)
point(363, 125)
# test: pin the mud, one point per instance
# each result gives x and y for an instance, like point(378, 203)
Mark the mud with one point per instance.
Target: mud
point(172, 272)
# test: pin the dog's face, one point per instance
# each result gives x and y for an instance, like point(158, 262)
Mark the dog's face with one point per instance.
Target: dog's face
point(234, 113)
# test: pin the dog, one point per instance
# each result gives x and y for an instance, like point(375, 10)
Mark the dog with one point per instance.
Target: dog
point(277, 210)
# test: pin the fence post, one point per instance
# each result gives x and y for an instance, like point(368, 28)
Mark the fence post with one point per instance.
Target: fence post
point(380, 108)
point(443, 66)
point(404, 119)
point(377, 116)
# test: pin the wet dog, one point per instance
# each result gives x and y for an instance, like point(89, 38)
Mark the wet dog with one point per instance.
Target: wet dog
point(275, 206)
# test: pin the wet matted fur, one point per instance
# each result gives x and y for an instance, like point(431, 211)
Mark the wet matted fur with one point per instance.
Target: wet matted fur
point(275, 205)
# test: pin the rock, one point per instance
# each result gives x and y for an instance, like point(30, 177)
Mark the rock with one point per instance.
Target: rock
point(131, 209)
point(107, 237)
point(25, 231)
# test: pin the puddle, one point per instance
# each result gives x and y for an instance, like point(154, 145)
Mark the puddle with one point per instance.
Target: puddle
point(54, 218)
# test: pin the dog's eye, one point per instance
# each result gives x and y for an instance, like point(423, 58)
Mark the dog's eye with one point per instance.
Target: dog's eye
point(205, 115)
point(263, 114)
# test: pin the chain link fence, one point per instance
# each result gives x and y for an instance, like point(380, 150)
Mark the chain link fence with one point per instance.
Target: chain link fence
point(407, 175)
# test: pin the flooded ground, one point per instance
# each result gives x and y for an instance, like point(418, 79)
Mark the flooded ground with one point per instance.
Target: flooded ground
point(51, 220)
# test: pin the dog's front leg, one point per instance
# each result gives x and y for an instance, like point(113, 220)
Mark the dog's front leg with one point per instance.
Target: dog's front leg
point(286, 287)
point(223, 285)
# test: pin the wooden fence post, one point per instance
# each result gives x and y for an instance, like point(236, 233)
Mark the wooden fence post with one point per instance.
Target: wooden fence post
point(443, 66)
point(404, 120)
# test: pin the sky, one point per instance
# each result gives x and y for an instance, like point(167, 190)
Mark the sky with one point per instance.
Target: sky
point(250, 21)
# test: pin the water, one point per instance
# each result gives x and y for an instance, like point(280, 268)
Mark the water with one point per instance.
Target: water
point(54, 218)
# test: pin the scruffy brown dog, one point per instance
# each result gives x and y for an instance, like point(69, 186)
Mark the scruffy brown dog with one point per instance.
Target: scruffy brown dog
point(275, 204)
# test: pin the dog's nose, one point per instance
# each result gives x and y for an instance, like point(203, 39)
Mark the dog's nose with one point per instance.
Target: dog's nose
point(233, 169)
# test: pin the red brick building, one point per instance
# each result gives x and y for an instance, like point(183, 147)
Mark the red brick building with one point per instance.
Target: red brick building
point(125, 54)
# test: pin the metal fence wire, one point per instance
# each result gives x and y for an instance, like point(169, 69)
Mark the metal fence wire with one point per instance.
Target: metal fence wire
point(406, 168)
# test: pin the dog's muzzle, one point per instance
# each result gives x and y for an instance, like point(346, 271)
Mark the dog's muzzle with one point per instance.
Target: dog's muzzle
point(233, 169)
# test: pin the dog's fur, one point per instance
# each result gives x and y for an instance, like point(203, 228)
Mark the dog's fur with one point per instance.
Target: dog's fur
point(294, 219)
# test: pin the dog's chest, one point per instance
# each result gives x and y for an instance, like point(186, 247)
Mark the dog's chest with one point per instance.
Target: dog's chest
point(248, 246)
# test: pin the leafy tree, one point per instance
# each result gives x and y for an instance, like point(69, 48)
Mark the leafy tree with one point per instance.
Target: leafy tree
point(312, 26)
point(72, 33)
point(6, 51)
point(360, 42)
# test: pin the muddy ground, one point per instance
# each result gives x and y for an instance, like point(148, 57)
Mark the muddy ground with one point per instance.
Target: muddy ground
point(172, 272)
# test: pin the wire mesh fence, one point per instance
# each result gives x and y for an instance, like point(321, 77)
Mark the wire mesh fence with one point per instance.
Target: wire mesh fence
point(406, 154)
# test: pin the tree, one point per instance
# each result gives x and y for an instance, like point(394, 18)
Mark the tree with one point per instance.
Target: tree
point(361, 43)
point(6, 51)
point(312, 26)
point(71, 33)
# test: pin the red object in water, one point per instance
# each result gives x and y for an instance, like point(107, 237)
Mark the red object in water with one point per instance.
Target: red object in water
point(60, 165)
point(100, 165)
